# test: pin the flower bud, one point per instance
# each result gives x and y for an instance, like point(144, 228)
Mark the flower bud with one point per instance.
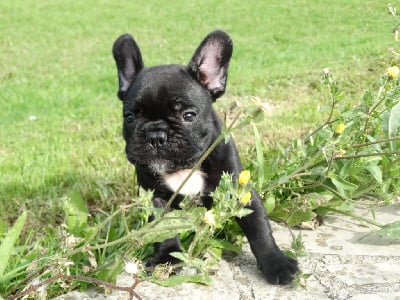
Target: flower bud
point(340, 128)
point(245, 199)
point(244, 177)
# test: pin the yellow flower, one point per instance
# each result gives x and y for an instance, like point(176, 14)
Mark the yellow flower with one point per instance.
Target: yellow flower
point(340, 128)
point(341, 152)
point(209, 218)
point(244, 177)
point(393, 72)
point(245, 199)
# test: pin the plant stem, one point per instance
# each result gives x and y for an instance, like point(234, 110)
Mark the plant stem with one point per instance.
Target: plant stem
point(203, 243)
point(196, 166)
point(137, 235)
point(194, 242)
point(94, 233)
point(318, 129)
point(357, 217)
point(379, 101)
point(222, 136)
point(54, 278)
point(367, 155)
point(329, 120)
point(336, 193)
point(396, 138)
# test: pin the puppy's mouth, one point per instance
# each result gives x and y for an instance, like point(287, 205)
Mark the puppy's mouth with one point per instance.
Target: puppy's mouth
point(157, 164)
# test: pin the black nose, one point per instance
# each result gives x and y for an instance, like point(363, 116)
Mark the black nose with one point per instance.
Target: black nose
point(157, 139)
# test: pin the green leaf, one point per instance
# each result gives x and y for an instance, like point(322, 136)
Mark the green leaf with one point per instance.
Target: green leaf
point(342, 185)
point(260, 155)
point(391, 231)
point(394, 124)
point(368, 99)
point(76, 213)
point(315, 200)
point(279, 213)
point(179, 279)
point(243, 212)
point(173, 223)
point(7, 246)
point(345, 206)
point(270, 203)
point(112, 270)
point(226, 245)
point(300, 216)
point(375, 171)
point(282, 180)
point(3, 227)
point(180, 255)
point(323, 210)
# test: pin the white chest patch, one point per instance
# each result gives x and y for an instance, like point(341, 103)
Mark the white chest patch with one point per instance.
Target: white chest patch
point(193, 186)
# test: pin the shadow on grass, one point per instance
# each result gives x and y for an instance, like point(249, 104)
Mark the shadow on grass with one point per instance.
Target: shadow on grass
point(44, 202)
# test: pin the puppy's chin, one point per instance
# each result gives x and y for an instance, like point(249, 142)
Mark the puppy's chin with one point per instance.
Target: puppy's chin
point(161, 166)
point(155, 166)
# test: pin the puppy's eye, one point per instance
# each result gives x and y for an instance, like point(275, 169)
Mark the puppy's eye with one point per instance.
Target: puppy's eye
point(129, 118)
point(189, 116)
point(138, 112)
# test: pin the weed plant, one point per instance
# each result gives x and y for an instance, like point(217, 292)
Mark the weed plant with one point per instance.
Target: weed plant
point(93, 234)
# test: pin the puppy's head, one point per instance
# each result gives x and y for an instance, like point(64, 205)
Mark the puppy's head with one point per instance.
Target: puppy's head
point(168, 119)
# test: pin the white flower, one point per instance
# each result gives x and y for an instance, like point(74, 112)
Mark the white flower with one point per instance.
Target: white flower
point(325, 71)
point(131, 268)
point(209, 218)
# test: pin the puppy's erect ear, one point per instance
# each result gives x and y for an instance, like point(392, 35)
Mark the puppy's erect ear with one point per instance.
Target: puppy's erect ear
point(210, 62)
point(129, 62)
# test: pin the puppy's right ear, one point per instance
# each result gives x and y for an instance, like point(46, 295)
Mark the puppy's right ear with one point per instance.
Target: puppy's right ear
point(129, 62)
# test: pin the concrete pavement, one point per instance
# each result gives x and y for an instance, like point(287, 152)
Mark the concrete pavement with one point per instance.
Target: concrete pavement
point(344, 260)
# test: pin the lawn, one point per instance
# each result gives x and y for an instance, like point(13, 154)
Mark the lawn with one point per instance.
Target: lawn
point(60, 117)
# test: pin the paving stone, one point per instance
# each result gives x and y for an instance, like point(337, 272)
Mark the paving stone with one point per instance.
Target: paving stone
point(344, 260)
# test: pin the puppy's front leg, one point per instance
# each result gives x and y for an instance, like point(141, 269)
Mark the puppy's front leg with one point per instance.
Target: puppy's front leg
point(162, 250)
point(275, 265)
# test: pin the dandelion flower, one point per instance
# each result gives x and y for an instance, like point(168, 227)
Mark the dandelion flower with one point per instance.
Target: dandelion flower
point(245, 199)
point(393, 72)
point(244, 177)
point(209, 218)
point(339, 129)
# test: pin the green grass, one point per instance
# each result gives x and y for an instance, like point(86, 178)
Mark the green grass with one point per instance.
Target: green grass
point(56, 65)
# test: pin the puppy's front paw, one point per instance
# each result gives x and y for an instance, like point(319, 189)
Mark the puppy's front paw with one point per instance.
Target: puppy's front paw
point(161, 258)
point(279, 269)
point(162, 252)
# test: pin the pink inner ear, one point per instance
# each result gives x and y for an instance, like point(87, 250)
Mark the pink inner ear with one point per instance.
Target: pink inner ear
point(203, 78)
point(211, 77)
point(210, 69)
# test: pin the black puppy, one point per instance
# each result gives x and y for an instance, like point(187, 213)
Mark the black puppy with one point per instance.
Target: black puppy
point(169, 123)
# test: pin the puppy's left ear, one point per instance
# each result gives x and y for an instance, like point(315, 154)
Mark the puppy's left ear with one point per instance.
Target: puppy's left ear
point(210, 62)
point(128, 59)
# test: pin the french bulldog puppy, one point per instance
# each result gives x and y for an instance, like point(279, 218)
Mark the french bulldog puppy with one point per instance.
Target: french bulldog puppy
point(169, 122)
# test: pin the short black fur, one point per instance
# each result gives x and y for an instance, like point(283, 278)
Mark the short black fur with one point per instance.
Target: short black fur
point(169, 123)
